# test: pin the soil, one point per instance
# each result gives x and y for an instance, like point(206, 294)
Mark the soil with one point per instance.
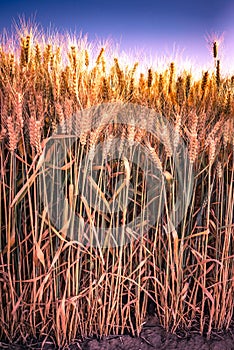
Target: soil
point(152, 337)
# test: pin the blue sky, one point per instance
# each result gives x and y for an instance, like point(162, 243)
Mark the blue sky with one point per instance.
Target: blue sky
point(153, 26)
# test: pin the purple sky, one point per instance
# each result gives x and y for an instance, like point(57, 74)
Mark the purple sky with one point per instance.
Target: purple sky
point(152, 25)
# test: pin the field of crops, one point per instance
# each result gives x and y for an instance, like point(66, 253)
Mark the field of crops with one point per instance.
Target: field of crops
point(95, 254)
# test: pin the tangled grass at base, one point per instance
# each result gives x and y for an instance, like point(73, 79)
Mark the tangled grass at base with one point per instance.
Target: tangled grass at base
point(55, 287)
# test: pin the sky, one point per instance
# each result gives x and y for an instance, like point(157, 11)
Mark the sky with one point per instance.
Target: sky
point(152, 26)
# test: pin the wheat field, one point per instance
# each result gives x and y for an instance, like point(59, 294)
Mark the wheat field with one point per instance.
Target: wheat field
point(54, 286)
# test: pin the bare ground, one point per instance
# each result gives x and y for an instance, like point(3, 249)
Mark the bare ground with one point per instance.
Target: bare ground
point(152, 337)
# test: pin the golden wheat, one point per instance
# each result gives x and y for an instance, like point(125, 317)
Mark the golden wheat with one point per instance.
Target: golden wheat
point(51, 285)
